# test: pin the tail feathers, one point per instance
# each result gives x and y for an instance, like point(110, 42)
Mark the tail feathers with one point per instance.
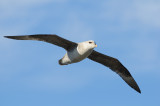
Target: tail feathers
point(60, 62)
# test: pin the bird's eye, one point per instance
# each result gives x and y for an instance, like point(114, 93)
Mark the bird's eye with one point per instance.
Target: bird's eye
point(90, 42)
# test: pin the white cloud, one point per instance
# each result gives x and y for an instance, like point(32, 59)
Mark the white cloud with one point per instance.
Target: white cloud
point(20, 8)
point(76, 28)
point(146, 12)
point(17, 17)
point(125, 13)
point(15, 3)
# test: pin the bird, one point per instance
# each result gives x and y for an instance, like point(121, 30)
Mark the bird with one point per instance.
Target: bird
point(76, 52)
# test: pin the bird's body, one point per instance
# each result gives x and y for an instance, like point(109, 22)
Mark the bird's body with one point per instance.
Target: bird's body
point(76, 52)
point(79, 53)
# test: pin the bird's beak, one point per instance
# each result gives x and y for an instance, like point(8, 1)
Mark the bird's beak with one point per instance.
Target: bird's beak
point(95, 45)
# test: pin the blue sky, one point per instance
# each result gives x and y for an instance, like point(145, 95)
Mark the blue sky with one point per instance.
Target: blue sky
point(29, 71)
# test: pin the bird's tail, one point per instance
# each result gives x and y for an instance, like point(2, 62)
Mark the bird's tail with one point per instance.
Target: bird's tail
point(60, 62)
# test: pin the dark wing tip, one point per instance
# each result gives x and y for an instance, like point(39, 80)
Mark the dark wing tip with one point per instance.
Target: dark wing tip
point(15, 37)
point(7, 36)
point(125, 74)
point(131, 82)
point(138, 89)
point(135, 86)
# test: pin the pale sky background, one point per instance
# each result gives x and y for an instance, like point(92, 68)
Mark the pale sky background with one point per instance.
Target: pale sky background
point(125, 29)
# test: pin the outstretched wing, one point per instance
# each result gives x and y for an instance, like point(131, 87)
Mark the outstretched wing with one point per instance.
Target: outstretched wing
point(50, 38)
point(116, 66)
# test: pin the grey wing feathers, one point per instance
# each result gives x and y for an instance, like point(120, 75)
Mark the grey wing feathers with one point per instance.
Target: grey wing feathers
point(116, 66)
point(50, 38)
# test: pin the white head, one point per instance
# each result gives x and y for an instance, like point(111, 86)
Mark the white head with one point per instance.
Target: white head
point(89, 44)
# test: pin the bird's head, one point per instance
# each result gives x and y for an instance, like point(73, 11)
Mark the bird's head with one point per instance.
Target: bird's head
point(90, 44)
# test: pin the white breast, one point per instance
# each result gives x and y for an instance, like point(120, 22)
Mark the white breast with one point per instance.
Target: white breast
point(76, 55)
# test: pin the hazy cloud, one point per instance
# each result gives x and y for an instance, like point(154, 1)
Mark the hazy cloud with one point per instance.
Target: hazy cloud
point(77, 29)
point(137, 13)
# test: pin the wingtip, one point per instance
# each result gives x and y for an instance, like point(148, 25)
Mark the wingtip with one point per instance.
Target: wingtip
point(138, 90)
point(16, 37)
point(11, 37)
point(131, 82)
point(136, 87)
point(6, 36)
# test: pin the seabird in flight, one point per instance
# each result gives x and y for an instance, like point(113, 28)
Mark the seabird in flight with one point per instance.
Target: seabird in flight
point(76, 52)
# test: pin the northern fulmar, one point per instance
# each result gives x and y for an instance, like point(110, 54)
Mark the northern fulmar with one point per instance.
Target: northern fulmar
point(76, 52)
